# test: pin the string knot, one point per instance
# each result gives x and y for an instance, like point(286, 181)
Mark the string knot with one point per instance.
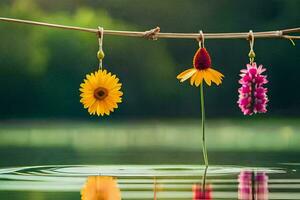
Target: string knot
point(279, 33)
point(152, 34)
point(251, 36)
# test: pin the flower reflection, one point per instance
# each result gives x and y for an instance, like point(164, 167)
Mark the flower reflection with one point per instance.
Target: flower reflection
point(100, 188)
point(253, 186)
point(202, 193)
point(156, 188)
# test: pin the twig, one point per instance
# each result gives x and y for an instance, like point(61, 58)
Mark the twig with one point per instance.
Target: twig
point(242, 35)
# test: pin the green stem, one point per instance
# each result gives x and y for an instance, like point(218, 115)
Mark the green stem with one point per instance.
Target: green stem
point(204, 182)
point(203, 125)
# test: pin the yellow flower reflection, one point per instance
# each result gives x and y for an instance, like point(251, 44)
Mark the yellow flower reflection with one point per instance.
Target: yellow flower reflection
point(100, 188)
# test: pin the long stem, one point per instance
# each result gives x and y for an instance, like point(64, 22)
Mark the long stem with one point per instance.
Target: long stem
point(203, 125)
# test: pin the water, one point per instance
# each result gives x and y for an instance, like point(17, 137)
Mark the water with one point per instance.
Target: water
point(248, 159)
point(146, 181)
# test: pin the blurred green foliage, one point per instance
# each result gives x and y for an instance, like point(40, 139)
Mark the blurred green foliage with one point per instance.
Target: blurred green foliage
point(224, 135)
point(41, 68)
point(249, 142)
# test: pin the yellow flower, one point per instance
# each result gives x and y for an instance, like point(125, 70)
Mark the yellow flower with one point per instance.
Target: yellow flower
point(202, 70)
point(100, 188)
point(100, 93)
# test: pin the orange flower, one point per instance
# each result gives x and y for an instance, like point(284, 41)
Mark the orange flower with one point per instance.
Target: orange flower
point(100, 188)
point(202, 70)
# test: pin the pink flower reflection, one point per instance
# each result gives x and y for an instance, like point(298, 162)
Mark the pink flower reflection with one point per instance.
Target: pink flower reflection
point(199, 194)
point(253, 186)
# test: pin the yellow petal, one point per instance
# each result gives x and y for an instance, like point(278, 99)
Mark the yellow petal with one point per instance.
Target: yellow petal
point(214, 78)
point(199, 78)
point(192, 80)
point(106, 109)
point(100, 108)
point(207, 77)
point(116, 99)
point(93, 108)
point(111, 82)
point(110, 105)
point(117, 93)
point(179, 76)
point(188, 75)
point(216, 73)
point(217, 76)
point(90, 103)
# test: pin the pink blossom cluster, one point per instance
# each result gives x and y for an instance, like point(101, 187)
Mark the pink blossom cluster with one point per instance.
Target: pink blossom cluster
point(252, 94)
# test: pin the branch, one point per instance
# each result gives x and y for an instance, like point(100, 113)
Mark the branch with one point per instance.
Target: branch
point(242, 35)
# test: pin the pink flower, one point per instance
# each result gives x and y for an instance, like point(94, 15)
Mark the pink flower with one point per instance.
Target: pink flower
point(252, 93)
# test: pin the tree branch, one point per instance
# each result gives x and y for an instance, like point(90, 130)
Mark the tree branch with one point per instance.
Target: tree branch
point(241, 35)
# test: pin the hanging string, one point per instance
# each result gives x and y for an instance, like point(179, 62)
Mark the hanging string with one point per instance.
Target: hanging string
point(201, 39)
point(239, 35)
point(100, 53)
point(251, 43)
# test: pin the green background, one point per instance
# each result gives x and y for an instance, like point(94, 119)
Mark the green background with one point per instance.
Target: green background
point(41, 68)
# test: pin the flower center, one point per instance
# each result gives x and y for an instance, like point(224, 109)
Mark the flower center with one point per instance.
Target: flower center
point(100, 93)
point(202, 59)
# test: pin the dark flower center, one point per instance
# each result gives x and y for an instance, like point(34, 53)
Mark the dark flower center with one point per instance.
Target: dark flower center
point(202, 59)
point(100, 93)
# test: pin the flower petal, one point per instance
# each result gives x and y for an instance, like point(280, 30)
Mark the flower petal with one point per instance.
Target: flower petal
point(188, 75)
point(217, 73)
point(192, 80)
point(207, 77)
point(216, 78)
point(199, 78)
point(179, 76)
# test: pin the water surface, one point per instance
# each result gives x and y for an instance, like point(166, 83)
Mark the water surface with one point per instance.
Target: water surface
point(249, 159)
point(142, 181)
